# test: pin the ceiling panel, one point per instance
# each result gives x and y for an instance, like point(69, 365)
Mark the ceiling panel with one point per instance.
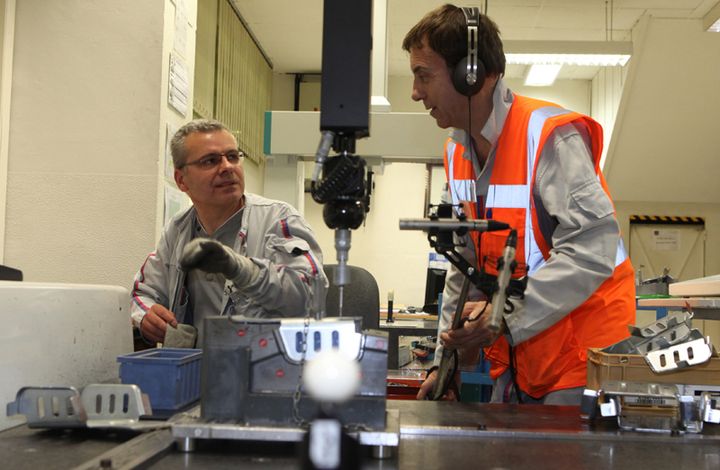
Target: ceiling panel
point(290, 31)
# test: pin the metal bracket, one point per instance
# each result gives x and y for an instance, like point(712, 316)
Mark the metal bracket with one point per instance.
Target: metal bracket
point(658, 326)
point(673, 335)
point(666, 344)
point(49, 407)
point(680, 356)
point(99, 406)
point(114, 405)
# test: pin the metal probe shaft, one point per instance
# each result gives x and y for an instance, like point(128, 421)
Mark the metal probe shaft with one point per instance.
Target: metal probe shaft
point(340, 300)
point(506, 266)
point(342, 273)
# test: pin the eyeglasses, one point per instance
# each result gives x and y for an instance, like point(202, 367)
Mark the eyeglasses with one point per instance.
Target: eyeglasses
point(212, 160)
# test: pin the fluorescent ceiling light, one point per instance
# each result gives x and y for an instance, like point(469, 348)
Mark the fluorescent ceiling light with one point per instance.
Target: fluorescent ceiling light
point(715, 27)
point(597, 60)
point(585, 53)
point(542, 74)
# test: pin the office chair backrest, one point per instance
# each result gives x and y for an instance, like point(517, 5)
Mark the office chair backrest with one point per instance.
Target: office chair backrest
point(361, 298)
point(10, 274)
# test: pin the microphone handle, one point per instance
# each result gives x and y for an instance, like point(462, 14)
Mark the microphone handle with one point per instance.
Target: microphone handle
point(503, 280)
point(479, 225)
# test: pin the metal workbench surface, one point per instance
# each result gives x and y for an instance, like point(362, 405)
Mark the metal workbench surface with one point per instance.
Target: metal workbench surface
point(434, 435)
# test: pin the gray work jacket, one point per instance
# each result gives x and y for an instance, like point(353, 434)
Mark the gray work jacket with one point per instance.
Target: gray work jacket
point(272, 234)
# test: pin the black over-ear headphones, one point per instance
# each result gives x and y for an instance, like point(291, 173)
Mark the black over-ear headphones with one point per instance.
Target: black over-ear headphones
point(469, 74)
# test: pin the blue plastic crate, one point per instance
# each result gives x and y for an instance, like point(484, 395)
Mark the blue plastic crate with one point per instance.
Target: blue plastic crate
point(170, 376)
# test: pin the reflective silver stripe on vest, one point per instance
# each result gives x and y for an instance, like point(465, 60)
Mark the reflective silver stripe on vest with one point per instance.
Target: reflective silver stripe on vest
point(534, 257)
point(460, 190)
point(508, 196)
point(518, 196)
point(621, 254)
point(535, 126)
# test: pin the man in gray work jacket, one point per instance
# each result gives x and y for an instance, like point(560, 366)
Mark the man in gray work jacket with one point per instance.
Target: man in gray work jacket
point(231, 253)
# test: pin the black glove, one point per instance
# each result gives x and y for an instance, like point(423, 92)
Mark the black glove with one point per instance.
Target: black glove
point(213, 257)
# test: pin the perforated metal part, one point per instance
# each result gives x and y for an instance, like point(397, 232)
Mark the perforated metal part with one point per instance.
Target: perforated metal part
point(695, 351)
point(674, 335)
point(48, 407)
point(114, 405)
point(98, 406)
point(653, 329)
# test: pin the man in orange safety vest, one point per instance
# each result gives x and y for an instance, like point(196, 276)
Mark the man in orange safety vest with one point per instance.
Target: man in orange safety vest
point(535, 166)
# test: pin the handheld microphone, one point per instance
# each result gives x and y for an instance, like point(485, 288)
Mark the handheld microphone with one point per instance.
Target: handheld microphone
point(505, 267)
point(426, 225)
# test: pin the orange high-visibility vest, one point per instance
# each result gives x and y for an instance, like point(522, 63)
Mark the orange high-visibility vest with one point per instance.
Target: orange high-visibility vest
point(556, 358)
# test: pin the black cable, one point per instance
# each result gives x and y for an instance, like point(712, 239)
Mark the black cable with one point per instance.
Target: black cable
point(512, 365)
point(454, 371)
point(469, 134)
point(451, 377)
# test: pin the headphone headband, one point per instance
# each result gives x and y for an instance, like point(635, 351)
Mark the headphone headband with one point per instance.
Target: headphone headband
point(472, 19)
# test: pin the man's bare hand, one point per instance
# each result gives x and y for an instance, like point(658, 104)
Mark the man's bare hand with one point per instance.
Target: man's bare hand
point(471, 307)
point(427, 387)
point(474, 332)
point(154, 323)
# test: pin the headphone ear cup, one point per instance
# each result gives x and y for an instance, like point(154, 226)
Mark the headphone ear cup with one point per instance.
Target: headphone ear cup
point(459, 78)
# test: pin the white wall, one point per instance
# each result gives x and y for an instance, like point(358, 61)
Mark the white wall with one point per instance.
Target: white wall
point(399, 91)
point(284, 180)
point(572, 94)
point(284, 175)
point(607, 88)
point(7, 47)
point(255, 176)
point(283, 92)
point(666, 142)
point(663, 158)
point(87, 130)
point(710, 212)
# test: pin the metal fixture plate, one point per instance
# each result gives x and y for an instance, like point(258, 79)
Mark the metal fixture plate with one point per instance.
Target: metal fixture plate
point(190, 426)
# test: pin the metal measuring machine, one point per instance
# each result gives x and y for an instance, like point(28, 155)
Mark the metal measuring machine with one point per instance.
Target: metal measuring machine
point(252, 376)
point(343, 183)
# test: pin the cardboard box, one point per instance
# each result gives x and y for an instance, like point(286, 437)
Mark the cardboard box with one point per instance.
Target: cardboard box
point(604, 366)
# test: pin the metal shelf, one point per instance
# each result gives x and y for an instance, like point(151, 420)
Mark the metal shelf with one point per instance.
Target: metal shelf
point(704, 308)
